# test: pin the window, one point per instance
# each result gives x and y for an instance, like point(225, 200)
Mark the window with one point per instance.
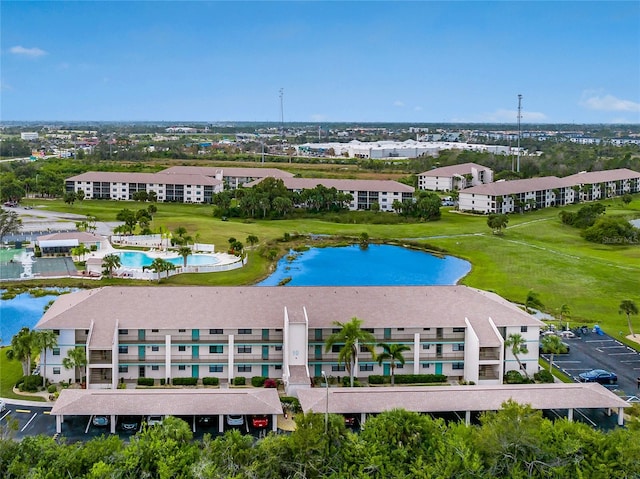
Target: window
point(244, 349)
point(457, 366)
point(155, 330)
point(426, 329)
point(335, 348)
point(338, 367)
point(399, 366)
point(458, 347)
point(364, 349)
point(155, 349)
point(215, 331)
point(155, 367)
point(400, 329)
point(458, 330)
point(366, 367)
point(182, 348)
point(279, 347)
point(123, 331)
point(215, 368)
point(523, 329)
point(182, 367)
point(335, 330)
point(182, 330)
point(244, 369)
point(426, 346)
point(278, 367)
point(123, 369)
point(244, 331)
point(56, 351)
point(57, 332)
point(426, 365)
point(368, 330)
point(123, 349)
point(217, 349)
point(56, 370)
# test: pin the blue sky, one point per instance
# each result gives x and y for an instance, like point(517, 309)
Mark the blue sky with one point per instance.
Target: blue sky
point(382, 61)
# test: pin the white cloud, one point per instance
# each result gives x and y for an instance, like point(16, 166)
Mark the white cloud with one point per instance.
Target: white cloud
point(398, 103)
point(29, 52)
point(596, 101)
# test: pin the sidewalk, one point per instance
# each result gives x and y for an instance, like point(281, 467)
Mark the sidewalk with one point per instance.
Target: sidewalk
point(22, 402)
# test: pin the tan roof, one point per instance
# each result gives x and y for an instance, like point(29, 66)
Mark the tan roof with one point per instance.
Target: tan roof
point(591, 177)
point(454, 170)
point(142, 307)
point(102, 334)
point(459, 398)
point(175, 402)
point(81, 236)
point(148, 178)
point(505, 188)
point(227, 172)
point(344, 185)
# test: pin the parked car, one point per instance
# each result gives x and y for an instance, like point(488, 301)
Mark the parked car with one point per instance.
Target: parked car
point(235, 420)
point(100, 421)
point(3, 405)
point(546, 351)
point(260, 421)
point(154, 420)
point(350, 420)
point(129, 423)
point(205, 420)
point(598, 376)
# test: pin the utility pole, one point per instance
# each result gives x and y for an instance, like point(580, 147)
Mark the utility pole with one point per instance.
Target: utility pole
point(282, 119)
point(519, 118)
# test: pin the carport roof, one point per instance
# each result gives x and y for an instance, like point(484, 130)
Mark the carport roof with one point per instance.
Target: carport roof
point(459, 398)
point(176, 402)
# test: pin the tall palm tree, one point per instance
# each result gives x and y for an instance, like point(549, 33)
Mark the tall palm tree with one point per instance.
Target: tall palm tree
point(110, 262)
point(628, 307)
point(518, 346)
point(43, 340)
point(159, 266)
point(392, 353)
point(21, 348)
point(349, 336)
point(184, 251)
point(76, 358)
point(553, 345)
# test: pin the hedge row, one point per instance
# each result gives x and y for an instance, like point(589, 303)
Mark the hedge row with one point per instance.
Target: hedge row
point(146, 381)
point(408, 379)
point(210, 381)
point(185, 381)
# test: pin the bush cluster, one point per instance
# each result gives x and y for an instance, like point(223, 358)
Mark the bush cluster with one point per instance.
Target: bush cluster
point(290, 403)
point(146, 381)
point(408, 379)
point(239, 381)
point(258, 381)
point(543, 376)
point(29, 384)
point(210, 381)
point(185, 381)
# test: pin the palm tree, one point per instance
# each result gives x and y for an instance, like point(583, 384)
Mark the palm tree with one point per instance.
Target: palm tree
point(628, 307)
point(76, 358)
point(553, 345)
point(532, 302)
point(349, 336)
point(392, 353)
point(252, 240)
point(518, 346)
point(184, 251)
point(158, 266)
point(21, 347)
point(110, 262)
point(43, 340)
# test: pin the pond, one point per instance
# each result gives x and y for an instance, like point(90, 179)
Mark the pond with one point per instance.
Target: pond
point(376, 265)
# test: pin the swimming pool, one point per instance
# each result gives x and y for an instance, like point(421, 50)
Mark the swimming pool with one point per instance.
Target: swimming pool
point(139, 259)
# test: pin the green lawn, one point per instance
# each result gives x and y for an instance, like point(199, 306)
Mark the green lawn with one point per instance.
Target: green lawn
point(537, 252)
point(10, 372)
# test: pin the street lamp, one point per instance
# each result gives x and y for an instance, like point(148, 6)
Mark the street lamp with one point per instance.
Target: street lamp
point(326, 405)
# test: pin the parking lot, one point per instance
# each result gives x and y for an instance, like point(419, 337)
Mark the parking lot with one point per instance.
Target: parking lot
point(30, 421)
point(594, 351)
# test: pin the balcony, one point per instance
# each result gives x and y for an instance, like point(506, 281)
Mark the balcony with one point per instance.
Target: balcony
point(100, 376)
point(489, 354)
point(102, 356)
point(450, 356)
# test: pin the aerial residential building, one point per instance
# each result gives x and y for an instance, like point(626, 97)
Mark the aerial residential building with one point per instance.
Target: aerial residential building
point(281, 332)
point(123, 186)
point(232, 177)
point(364, 192)
point(455, 177)
point(598, 185)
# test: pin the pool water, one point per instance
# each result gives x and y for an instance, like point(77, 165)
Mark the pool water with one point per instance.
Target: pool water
point(377, 265)
point(138, 259)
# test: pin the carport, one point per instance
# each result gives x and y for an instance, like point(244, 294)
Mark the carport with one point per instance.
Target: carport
point(467, 399)
point(178, 402)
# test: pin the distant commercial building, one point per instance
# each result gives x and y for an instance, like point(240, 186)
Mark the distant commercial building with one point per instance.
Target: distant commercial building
point(29, 135)
point(279, 332)
point(455, 177)
point(364, 192)
point(123, 186)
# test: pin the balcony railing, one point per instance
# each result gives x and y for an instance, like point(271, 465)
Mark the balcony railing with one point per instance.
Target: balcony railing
point(489, 354)
point(100, 357)
point(457, 355)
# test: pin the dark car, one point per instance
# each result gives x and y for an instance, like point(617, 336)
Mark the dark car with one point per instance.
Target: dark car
point(260, 421)
point(129, 424)
point(598, 376)
point(206, 421)
point(100, 421)
point(350, 420)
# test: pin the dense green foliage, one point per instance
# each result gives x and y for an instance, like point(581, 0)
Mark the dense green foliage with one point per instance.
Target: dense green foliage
point(516, 442)
point(408, 379)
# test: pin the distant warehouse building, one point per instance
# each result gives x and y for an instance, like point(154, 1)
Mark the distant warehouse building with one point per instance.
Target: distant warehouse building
point(364, 192)
point(29, 135)
point(123, 186)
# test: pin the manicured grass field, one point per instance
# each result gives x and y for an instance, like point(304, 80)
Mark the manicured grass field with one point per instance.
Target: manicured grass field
point(537, 252)
point(10, 372)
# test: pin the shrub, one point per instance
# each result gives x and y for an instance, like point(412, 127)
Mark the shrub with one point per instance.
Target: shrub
point(19, 382)
point(122, 386)
point(239, 381)
point(270, 383)
point(210, 381)
point(513, 377)
point(146, 381)
point(185, 381)
point(290, 403)
point(52, 388)
point(543, 376)
point(31, 383)
point(408, 379)
point(258, 381)
point(162, 381)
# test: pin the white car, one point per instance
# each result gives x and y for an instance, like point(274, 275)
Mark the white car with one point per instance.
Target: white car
point(154, 420)
point(235, 420)
point(3, 406)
